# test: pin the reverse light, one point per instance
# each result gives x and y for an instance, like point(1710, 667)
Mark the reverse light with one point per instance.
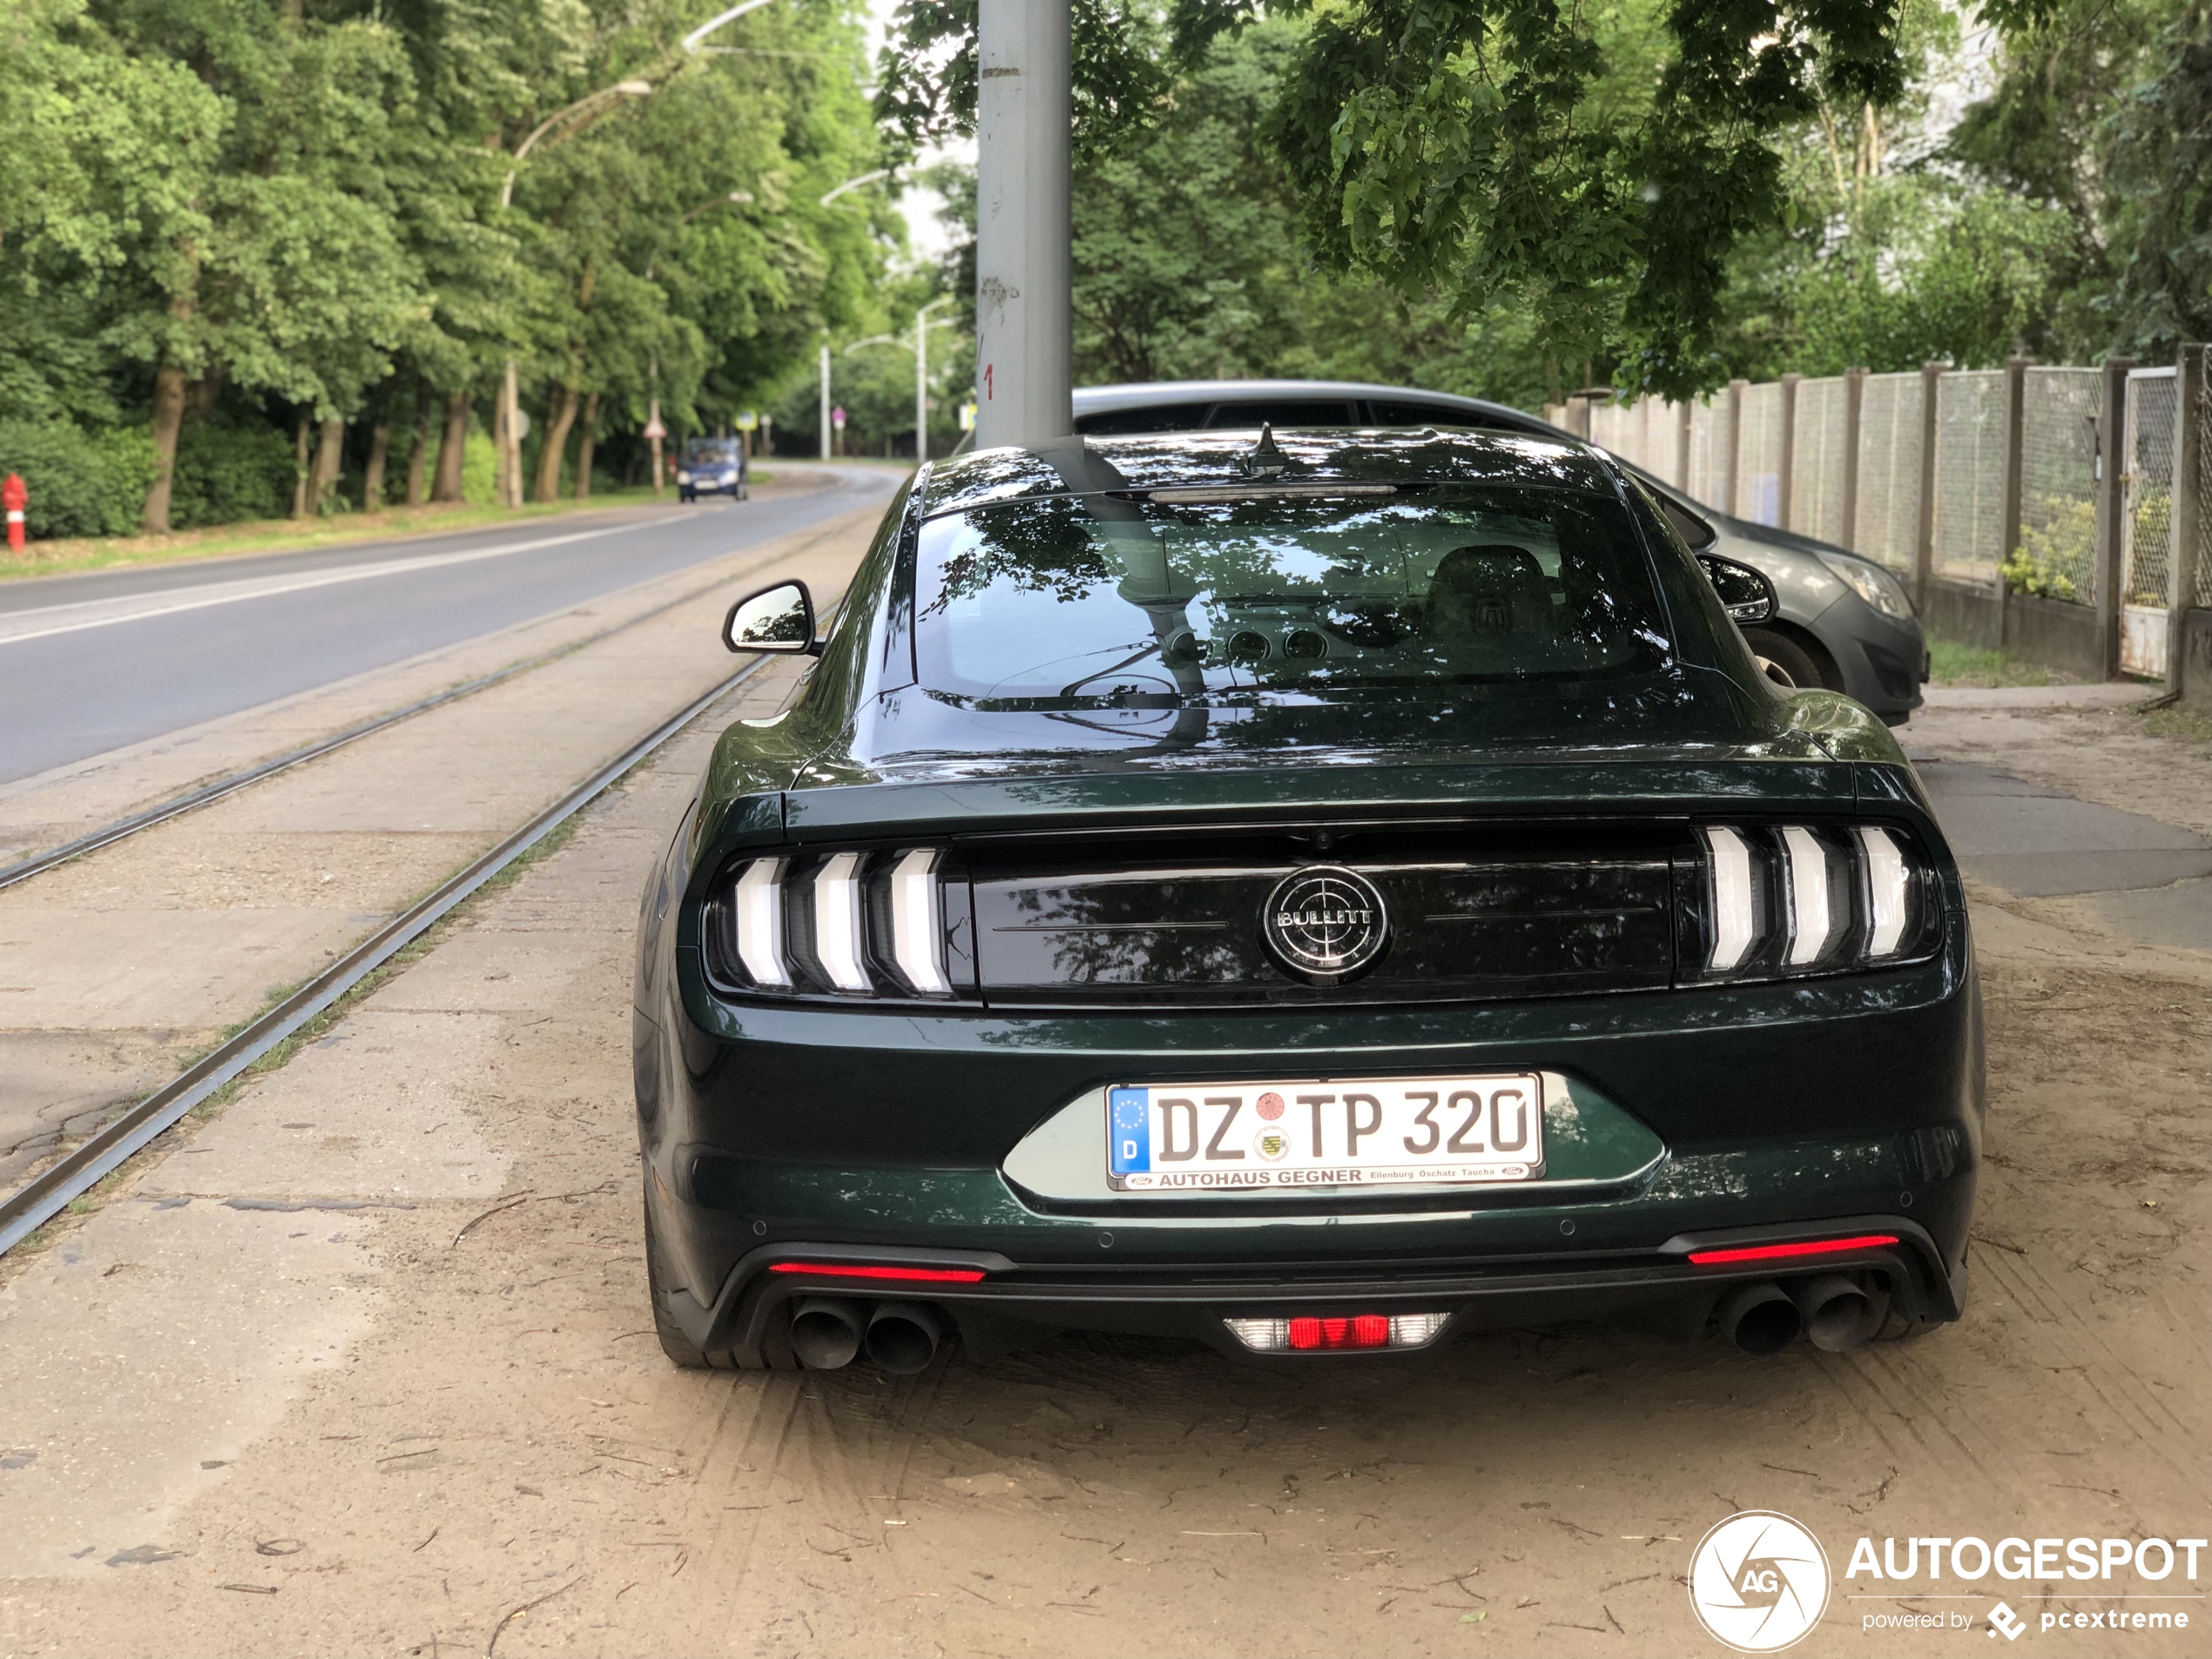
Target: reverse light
point(1794, 1250)
point(871, 1270)
point(1338, 1334)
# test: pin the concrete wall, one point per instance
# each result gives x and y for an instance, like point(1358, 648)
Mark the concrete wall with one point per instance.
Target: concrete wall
point(2055, 634)
point(1967, 614)
point(2196, 671)
point(2049, 631)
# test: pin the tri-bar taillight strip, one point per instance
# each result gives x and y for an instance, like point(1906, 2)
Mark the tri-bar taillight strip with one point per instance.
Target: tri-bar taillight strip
point(1869, 873)
point(837, 900)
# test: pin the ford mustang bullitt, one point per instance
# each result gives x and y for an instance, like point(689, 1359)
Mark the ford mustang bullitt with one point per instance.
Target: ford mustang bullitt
point(1317, 894)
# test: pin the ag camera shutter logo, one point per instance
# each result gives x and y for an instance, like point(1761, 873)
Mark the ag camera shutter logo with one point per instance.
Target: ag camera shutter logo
point(1758, 1581)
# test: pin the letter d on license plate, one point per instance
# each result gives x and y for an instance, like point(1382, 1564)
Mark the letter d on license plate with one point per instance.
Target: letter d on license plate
point(1406, 1131)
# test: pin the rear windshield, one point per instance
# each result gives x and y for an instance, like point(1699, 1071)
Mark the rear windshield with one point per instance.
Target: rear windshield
point(1098, 597)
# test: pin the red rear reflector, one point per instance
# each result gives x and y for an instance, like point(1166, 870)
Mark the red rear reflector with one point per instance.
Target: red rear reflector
point(1363, 1330)
point(854, 1270)
point(1784, 1253)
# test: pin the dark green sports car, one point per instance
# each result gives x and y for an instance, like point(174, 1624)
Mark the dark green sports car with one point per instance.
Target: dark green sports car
point(1316, 894)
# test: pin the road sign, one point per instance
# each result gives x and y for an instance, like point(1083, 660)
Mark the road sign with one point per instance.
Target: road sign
point(655, 429)
point(837, 417)
point(968, 416)
point(748, 421)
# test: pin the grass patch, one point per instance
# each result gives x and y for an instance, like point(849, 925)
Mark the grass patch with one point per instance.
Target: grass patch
point(2179, 722)
point(1952, 664)
point(284, 535)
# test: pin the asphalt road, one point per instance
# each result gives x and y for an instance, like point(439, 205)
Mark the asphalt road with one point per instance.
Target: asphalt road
point(2141, 876)
point(92, 663)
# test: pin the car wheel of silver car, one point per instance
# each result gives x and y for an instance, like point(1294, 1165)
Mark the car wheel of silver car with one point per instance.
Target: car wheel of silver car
point(1783, 660)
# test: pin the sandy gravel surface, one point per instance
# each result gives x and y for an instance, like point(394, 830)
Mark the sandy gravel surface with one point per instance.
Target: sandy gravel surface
point(364, 1367)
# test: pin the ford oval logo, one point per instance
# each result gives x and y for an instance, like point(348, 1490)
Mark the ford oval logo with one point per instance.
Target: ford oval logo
point(1325, 924)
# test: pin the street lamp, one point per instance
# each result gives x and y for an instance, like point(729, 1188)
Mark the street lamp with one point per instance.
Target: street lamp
point(853, 184)
point(920, 348)
point(510, 402)
point(740, 197)
point(691, 41)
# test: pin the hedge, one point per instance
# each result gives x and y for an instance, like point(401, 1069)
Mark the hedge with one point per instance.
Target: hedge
point(81, 482)
point(228, 473)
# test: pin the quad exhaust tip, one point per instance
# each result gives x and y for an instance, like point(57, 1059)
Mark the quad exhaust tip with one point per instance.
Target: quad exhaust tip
point(1834, 1311)
point(1761, 1318)
point(1839, 1312)
point(826, 1333)
point(903, 1336)
point(829, 1332)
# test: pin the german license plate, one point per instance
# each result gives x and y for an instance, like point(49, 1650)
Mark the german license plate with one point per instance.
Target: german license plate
point(1409, 1131)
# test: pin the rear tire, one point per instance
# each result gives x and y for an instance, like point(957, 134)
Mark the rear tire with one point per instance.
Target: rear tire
point(679, 1348)
point(1790, 657)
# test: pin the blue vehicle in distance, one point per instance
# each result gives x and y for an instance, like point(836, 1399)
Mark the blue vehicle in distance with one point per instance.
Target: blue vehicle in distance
point(712, 467)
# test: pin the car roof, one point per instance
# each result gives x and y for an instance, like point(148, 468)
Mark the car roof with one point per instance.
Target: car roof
point(1226, 458)
point(1092, 403)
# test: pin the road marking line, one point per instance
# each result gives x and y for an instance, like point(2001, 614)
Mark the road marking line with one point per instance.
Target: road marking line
point(136, 608)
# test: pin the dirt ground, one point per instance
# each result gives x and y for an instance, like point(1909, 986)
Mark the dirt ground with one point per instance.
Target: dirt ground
point(364, 1367)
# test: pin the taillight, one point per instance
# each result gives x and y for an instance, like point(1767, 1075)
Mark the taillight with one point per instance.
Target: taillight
point(853, 924)
point(1765, 901)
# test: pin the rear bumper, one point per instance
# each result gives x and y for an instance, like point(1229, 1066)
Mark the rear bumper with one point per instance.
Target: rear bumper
point(1662, 1289)
point(1780, 1110)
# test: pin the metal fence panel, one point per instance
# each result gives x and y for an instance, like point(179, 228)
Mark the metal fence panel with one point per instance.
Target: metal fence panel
point(1707, 480)
point(1816, 464)
point(1758, 461)
point(1970, 475)
point(2204, 512)
point(1889, 468)
point(2147, 485)
point(2058, 556)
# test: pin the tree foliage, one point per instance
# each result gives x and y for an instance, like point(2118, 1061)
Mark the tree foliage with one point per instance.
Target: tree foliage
point(1580, 163)
point(241, 215)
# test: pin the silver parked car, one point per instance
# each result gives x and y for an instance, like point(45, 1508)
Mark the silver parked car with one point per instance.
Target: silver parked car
point(1843, 623)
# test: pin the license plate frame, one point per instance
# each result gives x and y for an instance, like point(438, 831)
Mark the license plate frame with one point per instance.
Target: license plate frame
point(1181, 1140)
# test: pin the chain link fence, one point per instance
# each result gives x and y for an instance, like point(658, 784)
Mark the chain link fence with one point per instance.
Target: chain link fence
point(1889, 468)
point(1816, 461)
point(1970, 475)
point(2059, 414)
point(2148, 487)
point(1707, 480)
point(2203, 597)
point(1759, 455)
point(2056, 453)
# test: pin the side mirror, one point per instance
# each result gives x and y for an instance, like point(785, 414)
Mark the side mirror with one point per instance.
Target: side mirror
point(1748, 596)
point(780, 619)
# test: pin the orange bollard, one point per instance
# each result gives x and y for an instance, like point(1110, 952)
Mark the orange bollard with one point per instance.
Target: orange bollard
point(14, 497)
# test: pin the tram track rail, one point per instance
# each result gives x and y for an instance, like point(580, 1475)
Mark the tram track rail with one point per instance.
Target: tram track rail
point(38, 1200)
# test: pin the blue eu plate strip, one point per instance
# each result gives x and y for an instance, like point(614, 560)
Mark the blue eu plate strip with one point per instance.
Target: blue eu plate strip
point(1128, 1124)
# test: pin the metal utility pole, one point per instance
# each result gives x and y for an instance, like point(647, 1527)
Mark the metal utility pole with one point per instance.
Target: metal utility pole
point(1024, 379)
point(826, 421)
point(921, 377)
